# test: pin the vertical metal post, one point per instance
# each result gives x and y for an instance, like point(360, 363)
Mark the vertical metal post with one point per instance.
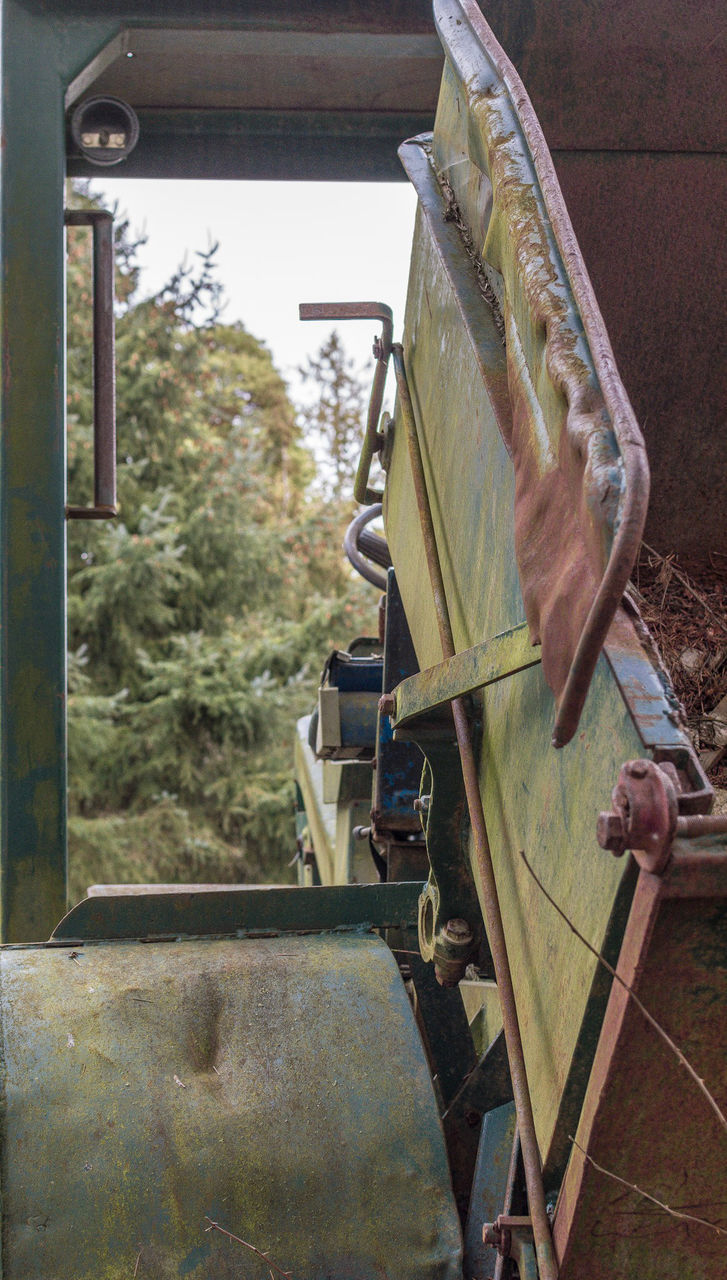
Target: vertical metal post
point(42, 49)
point(32, 482)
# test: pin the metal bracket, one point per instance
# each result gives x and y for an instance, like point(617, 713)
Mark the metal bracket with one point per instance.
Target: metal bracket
point(646, 814)
point(513, 1238)
point(450, 920)
point(464, 673)
point(373, 440)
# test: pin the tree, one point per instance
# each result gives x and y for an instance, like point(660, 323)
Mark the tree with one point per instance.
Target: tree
point(198, 620)
point(336, 415)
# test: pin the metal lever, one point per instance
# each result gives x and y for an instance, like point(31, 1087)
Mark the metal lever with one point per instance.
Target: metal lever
point(382, 349)
point(104, 379)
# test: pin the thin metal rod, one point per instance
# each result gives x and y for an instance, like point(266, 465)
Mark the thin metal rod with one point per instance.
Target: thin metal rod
point(493, 917)
point(104, 373)
point(382, 349)
point(104, 364)
point(509, 1190)
point(702, 824)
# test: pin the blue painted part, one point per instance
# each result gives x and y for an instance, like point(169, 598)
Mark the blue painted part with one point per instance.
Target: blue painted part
point(356, 675)
point(651, 701)
point(358, 721)
point(488, 1188)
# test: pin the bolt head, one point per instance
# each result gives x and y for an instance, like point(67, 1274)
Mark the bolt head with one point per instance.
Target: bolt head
point(610, 833)
point(458, 931)
point(387, 704)
point(637, 768)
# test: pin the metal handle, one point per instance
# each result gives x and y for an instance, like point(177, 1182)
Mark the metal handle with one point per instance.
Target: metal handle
point(104, 375)
point(382, 350)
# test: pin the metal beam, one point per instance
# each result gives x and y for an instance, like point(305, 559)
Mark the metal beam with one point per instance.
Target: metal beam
point(248, 911)
point(37, 60)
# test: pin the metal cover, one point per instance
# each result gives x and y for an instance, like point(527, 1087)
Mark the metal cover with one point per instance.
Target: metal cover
point(277, 1086)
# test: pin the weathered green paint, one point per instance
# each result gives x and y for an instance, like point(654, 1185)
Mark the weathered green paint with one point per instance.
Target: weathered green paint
point(534, 798)
point(466, 672)
point(39, 55)
point(241, 911)
point(144, 1088)
point(333, 814)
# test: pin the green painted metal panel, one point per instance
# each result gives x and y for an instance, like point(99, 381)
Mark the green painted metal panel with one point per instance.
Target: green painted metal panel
point(32, 480)
point(276, 1086)
point(537, 799)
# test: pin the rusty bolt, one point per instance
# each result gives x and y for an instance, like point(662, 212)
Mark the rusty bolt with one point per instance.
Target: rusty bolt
point(610, 833)
point(499, 1237)
point(451, 953)
point(387, 704)
point(638, 768)
point(458, 932)
point(421, 804)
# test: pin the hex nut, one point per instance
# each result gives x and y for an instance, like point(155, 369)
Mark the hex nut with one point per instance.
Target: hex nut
point(387, 704)
point(610, 833)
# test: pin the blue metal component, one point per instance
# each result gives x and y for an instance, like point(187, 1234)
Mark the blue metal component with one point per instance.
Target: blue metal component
point(488, 1188)
point(398, 764)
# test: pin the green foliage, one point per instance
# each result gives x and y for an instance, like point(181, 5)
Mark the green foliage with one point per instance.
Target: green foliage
point(336, 414)
point(198, 619)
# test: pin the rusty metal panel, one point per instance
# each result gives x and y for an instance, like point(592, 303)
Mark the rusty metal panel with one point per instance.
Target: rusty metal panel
point(579, 459)
point(644, 1120)
point(277, 1086)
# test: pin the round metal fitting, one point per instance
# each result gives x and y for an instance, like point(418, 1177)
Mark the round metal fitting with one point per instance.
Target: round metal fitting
point(644, 817)
point(104, 129)
point(452, 951)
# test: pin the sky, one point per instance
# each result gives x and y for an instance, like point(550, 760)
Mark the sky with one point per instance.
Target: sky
point(280, 244)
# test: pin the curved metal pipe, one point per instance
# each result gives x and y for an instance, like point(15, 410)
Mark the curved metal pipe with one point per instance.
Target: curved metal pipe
point(352, 547)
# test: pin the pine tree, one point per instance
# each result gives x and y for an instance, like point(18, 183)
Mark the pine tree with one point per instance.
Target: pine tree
point(336, 415)
point(198, 620)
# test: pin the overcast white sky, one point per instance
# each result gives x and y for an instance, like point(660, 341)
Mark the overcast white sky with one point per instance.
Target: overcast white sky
point(280, 244)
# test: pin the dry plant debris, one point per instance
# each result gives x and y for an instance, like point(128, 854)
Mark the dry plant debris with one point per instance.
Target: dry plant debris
point(684, 608)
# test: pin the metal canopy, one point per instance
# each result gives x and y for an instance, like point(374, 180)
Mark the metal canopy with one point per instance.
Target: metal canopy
point(267, 99)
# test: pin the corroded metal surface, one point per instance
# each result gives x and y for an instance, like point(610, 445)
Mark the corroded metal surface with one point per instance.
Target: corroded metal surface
point(580, 464)
point(147, 1087)
point(644, 1120)
point(464, 672)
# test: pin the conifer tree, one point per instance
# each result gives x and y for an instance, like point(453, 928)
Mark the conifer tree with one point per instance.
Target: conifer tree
point(199, 619)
